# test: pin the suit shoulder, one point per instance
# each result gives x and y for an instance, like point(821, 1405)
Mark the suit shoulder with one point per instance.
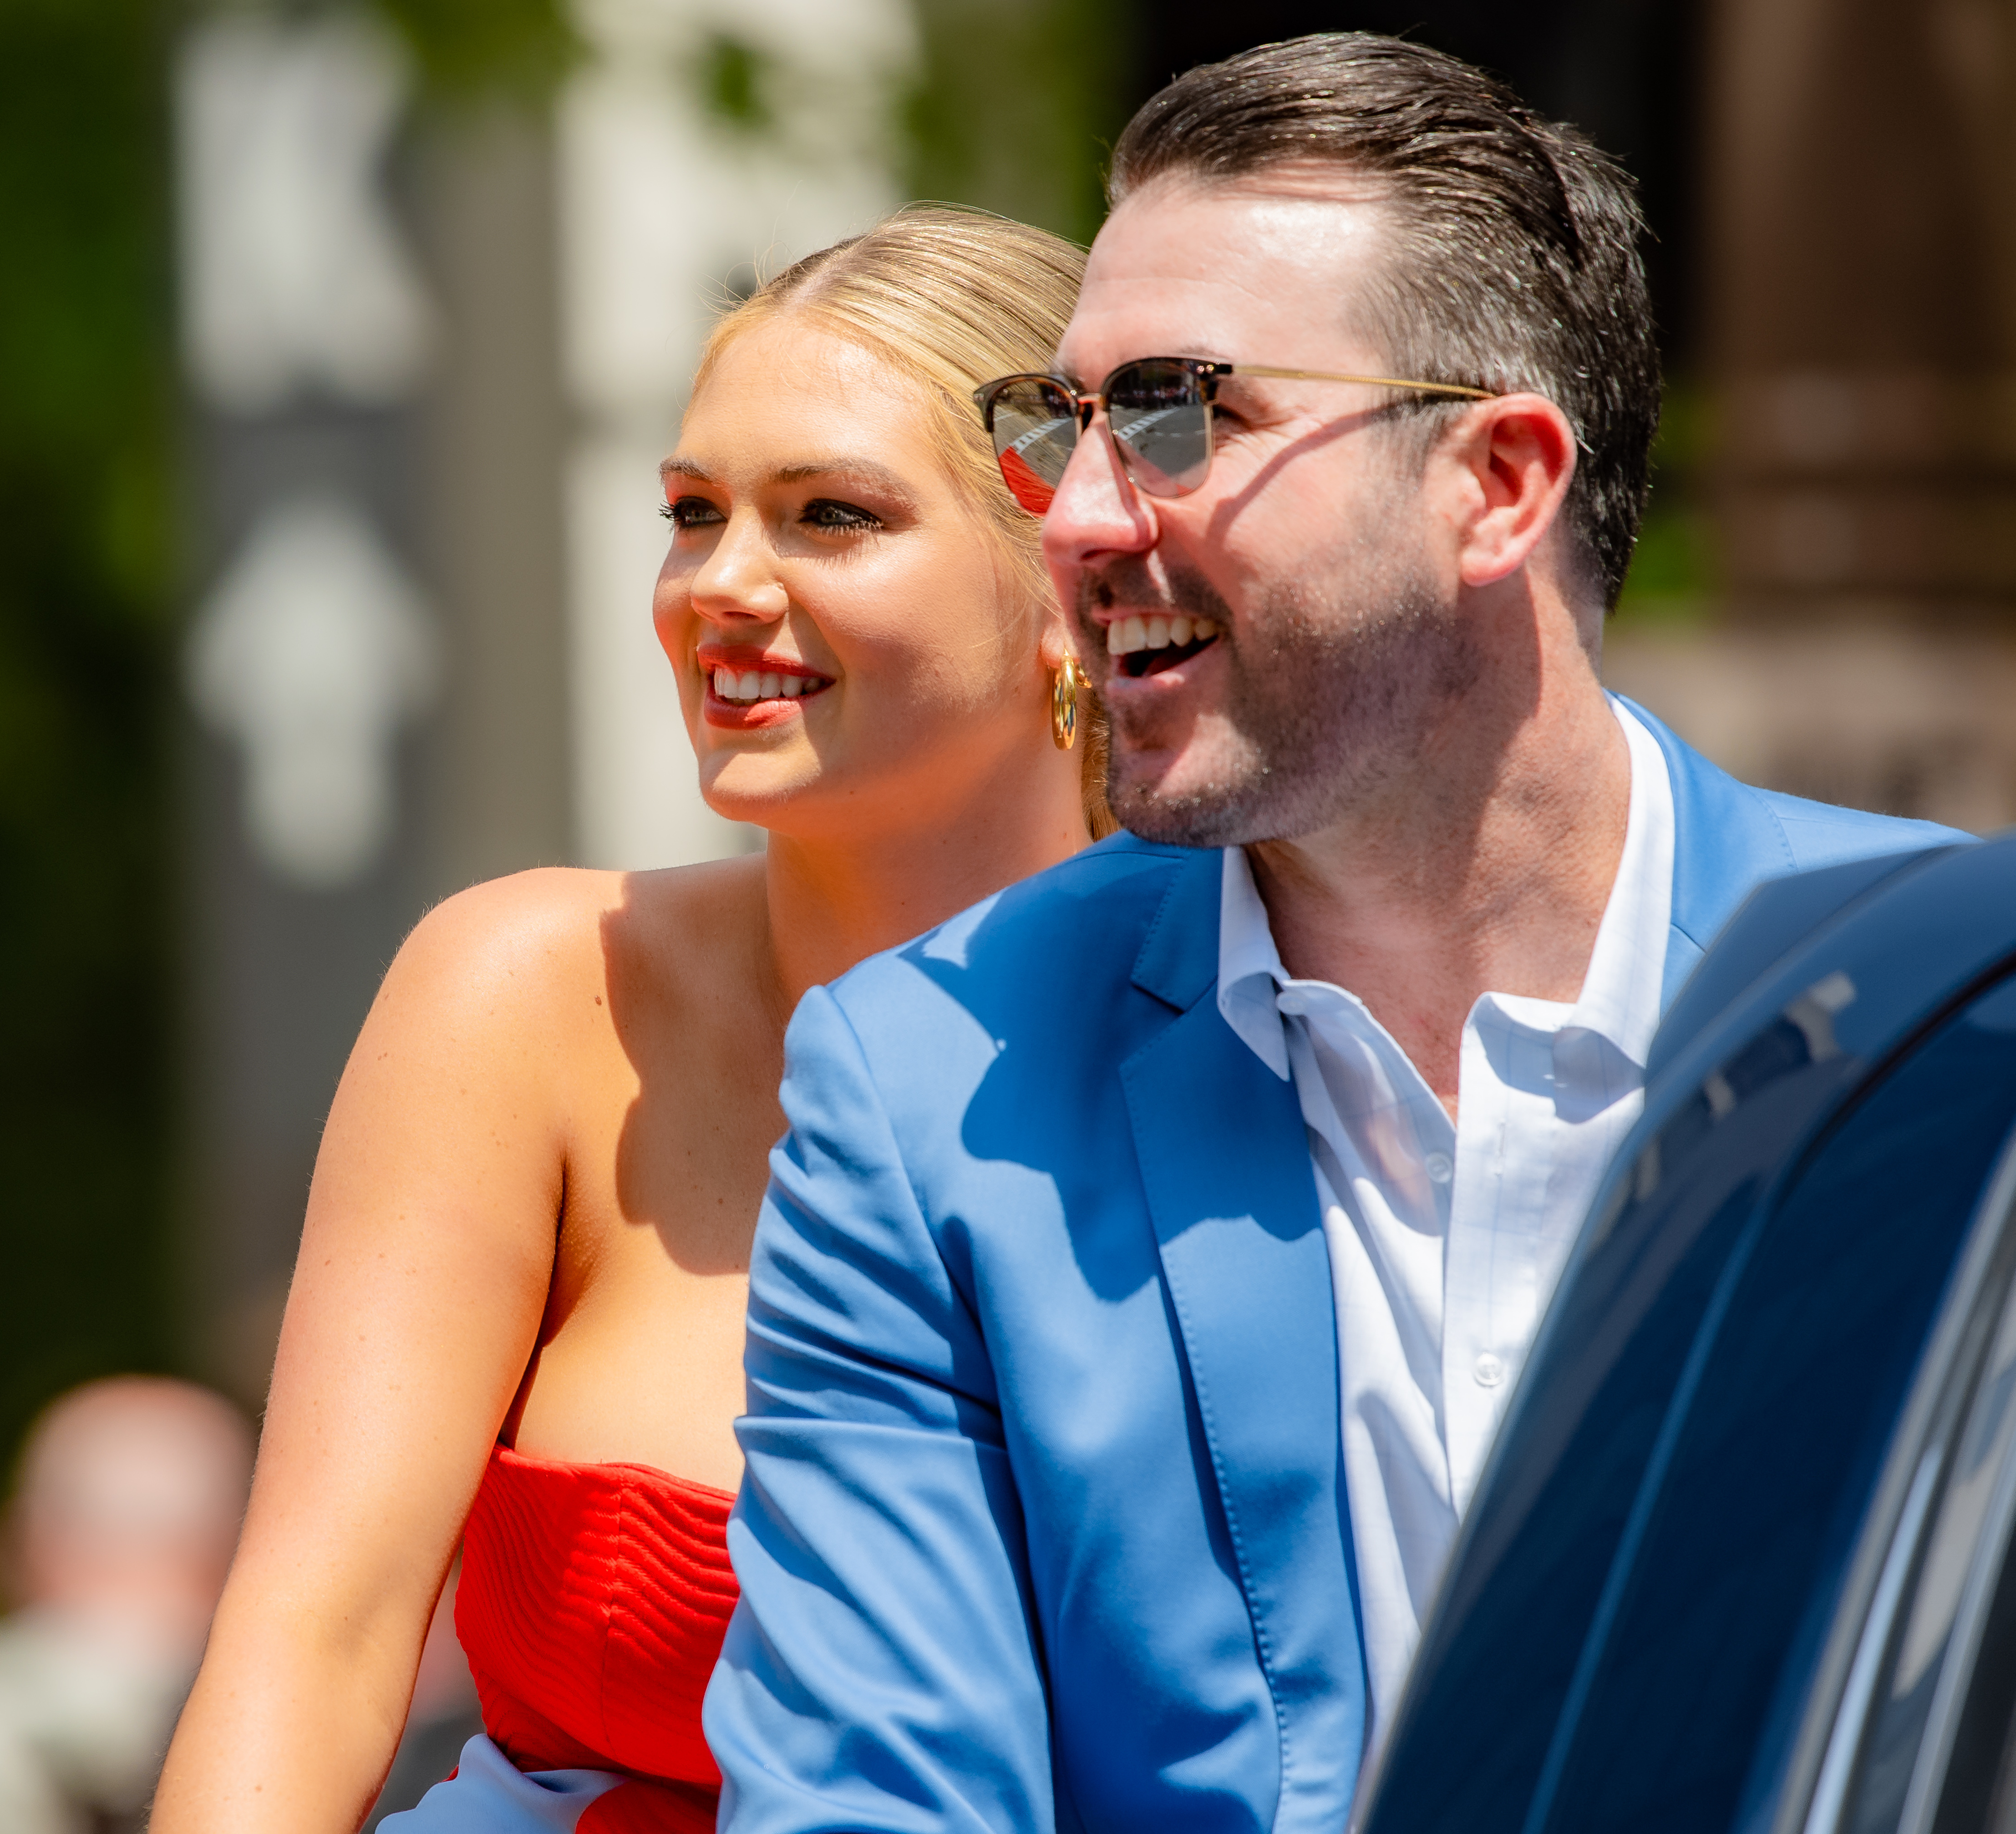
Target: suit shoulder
point(1092, 910)
point(1729, 837)
point(1789, 833)
point(1118, 875)
point(1823, 834)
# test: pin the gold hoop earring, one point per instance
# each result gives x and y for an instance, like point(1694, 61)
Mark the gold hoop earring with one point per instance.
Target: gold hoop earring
point(1063, 701)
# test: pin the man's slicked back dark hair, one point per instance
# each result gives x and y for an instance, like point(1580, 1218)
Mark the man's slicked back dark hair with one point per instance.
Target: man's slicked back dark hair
point(1513, 261)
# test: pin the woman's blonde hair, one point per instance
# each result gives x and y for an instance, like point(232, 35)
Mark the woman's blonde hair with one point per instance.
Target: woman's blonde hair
point(950, 297)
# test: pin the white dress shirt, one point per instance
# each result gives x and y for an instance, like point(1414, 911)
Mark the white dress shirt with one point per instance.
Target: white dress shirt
point(1445, 1239)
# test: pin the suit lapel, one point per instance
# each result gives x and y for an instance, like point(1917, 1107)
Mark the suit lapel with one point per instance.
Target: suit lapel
point(1225, 1160)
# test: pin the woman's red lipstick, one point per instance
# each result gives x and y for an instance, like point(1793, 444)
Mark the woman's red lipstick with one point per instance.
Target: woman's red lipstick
point(751, 690)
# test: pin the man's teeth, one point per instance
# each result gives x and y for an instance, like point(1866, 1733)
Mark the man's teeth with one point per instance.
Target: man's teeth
point(750, 684)
point(1124, 635)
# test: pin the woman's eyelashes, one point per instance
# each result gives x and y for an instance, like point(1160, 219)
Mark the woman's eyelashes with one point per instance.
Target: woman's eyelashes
point(821, 512)
point(690, 513)
point(828, 512)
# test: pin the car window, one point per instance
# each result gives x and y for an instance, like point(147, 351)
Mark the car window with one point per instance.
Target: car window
point(1978, 1790)
point(1729, 1572)
point(1933, 1735)
point(1934, 1559)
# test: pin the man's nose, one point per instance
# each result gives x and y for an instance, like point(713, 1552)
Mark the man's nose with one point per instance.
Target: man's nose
point(1096, 509)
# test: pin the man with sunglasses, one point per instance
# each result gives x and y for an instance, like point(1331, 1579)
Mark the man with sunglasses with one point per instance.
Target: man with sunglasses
point(1142, 1280)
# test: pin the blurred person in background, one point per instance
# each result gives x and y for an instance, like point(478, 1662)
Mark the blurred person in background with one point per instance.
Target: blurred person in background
point(519, 1303)
point(126, 1508)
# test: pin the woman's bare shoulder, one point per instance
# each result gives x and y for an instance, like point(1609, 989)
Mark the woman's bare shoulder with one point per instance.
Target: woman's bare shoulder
point(519, 946)
point(544, 908)
point(685, 913)
point(507, 945)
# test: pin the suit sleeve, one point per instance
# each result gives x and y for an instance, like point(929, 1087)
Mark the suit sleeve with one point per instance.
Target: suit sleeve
point(881, 1671)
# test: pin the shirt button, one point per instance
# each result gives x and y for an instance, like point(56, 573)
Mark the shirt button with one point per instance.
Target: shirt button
point(1441, 1166)
point(1489, 1370)
point(1293, 1003)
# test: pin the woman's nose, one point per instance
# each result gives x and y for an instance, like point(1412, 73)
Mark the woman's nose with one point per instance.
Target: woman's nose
point(737, 581)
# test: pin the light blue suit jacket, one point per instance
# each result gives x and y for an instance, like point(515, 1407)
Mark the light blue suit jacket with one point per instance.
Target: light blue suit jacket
point(1045, 1523)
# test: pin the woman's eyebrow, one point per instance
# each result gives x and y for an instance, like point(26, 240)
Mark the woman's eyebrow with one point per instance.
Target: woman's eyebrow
point(867, 469)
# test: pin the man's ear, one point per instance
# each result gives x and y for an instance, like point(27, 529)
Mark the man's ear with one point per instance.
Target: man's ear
point(1517, 456)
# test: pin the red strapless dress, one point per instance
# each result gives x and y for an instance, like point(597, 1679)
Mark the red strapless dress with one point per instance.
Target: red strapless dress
point(593, 1602)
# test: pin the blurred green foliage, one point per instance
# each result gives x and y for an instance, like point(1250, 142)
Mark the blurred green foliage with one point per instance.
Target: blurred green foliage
point(469, 49)
point(475, 49)
point(1673, 575)
point(87, 582)
point(1015, 105)
point(732, 85)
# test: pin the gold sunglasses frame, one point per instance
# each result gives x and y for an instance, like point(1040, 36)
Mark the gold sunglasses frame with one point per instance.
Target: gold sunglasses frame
point(1085, 404)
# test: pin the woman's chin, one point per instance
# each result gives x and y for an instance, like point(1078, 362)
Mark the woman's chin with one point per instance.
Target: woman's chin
point(765, 791)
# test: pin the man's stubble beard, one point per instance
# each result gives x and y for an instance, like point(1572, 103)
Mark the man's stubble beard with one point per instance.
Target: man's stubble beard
point(1333, 688)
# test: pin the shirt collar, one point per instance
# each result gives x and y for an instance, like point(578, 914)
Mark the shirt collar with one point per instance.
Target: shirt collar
point(1627, 969)
point(1249, 965)
point(1620, 993)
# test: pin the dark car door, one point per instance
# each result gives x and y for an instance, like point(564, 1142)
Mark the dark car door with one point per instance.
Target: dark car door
point(1661, 1593)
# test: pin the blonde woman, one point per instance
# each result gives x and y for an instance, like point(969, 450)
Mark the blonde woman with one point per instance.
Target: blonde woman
point(516, 1319)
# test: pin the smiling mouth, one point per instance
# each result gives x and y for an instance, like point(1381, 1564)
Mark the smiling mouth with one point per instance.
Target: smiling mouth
point(752, 687)
point(1147, 645)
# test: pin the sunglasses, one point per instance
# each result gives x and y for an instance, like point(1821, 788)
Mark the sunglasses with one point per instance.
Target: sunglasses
point(1157, 411)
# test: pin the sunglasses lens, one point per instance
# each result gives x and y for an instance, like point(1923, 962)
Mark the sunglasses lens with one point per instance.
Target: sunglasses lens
point(1035, 427)
point(1161, 423)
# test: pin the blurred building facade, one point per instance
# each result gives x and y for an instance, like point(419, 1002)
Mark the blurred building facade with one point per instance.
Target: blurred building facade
point(1858, 292)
